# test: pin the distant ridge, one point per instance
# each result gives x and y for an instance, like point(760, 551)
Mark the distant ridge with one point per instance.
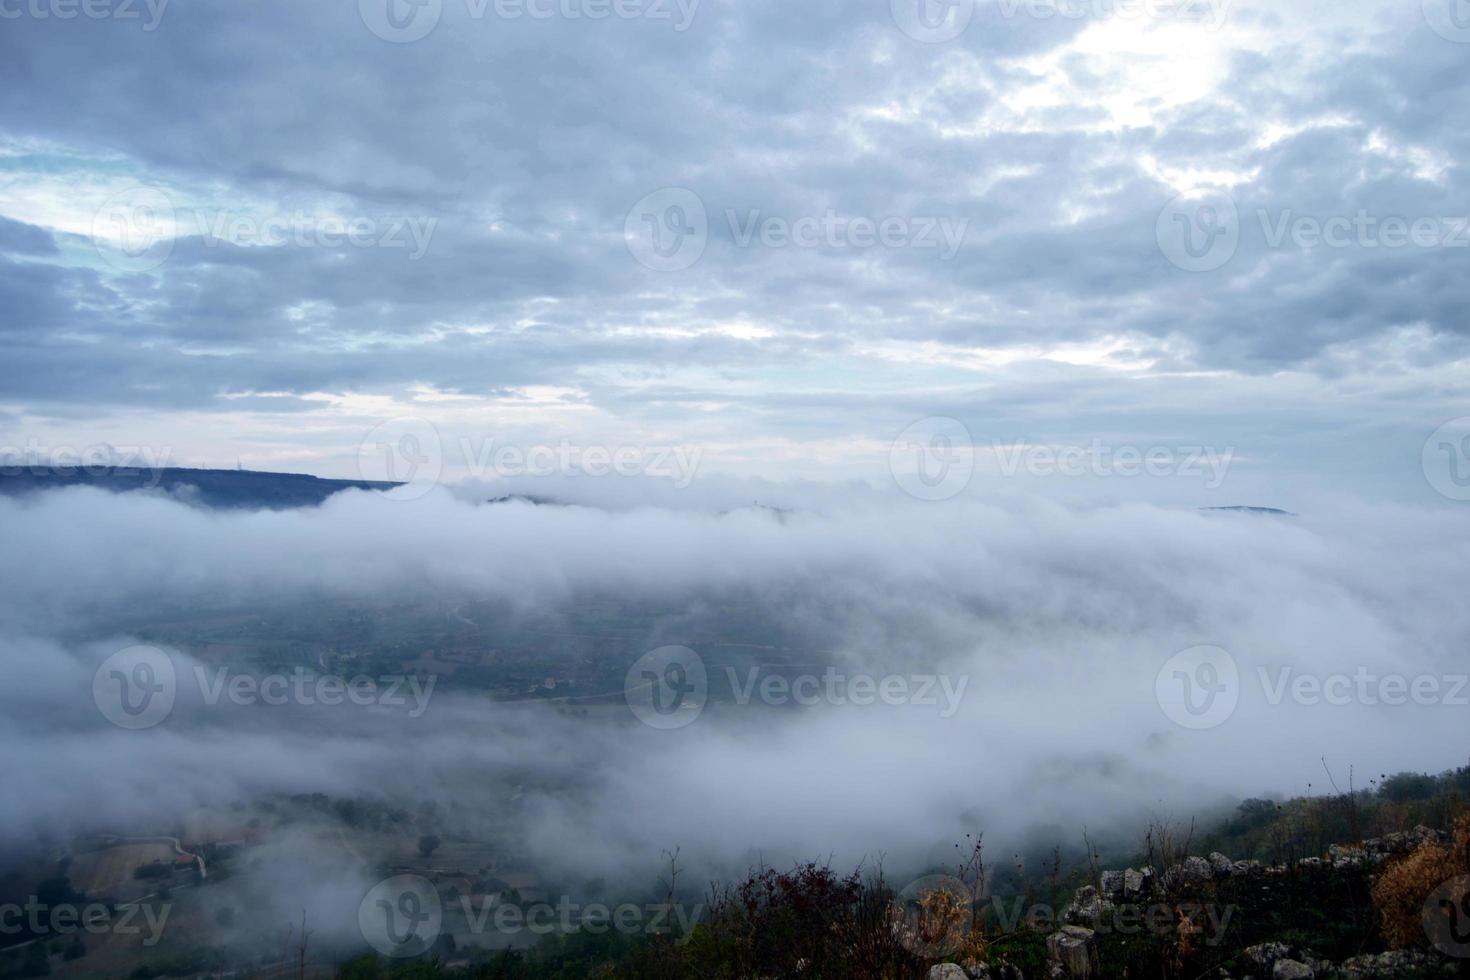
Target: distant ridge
point(219, 489)
point(1250, 510)
point(526, 498)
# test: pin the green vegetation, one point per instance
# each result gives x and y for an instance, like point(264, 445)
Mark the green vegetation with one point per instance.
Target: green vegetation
point(1283, 832)
point(813, 922)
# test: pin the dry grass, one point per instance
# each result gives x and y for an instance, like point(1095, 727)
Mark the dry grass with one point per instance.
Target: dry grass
point(1401, 891)
point(945, 925)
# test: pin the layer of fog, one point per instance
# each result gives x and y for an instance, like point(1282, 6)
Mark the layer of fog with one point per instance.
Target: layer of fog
point(1060, 620)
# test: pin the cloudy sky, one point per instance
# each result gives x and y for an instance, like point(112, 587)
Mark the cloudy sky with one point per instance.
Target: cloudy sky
point(776, 234)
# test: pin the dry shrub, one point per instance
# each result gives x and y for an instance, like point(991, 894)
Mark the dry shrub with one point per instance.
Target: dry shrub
point(945, 924)
point(782, 923)
point(1405, 885)
point(1184, 946)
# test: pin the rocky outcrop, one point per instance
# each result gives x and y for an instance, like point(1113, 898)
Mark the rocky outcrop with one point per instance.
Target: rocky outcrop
point(1190, 871)
point(947, 971)
point(1095, 911)
point(1088, 908)
point(1278, 961)
point(1281, 961)
point(1292, 970)
point(1376, 850)
point(1004, 971)
point(1391, 966)
point(1264, 961)
point(1071, 952)
point(1131, 885)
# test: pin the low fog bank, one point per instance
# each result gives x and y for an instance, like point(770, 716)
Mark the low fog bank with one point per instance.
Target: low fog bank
point(1058, 621)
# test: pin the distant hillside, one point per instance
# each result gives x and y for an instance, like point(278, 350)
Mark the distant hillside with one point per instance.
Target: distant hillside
point(222, 489)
